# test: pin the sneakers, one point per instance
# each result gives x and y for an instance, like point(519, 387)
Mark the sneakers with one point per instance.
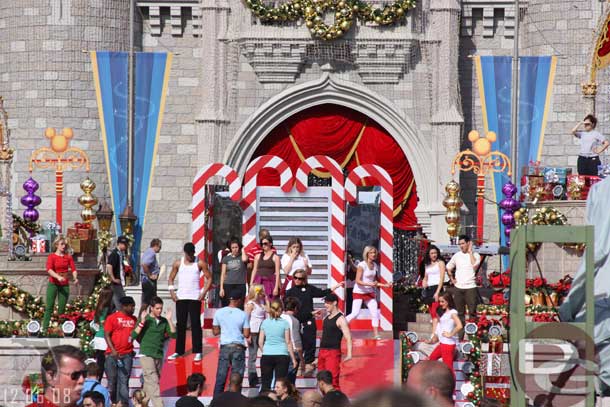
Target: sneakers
point(173, 356)
point(377, 337)
point(198, 357)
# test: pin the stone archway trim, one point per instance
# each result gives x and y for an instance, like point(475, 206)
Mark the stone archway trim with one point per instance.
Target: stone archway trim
point(327, 89)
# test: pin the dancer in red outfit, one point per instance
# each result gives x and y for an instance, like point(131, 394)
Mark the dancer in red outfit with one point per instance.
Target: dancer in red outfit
point(59, 264)
point(334, 328)
point(445, 328)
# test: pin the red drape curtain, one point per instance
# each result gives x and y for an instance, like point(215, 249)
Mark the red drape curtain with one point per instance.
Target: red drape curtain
point(334, 131)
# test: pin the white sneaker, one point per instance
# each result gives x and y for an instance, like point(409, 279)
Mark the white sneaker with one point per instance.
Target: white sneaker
point(173, 356)
point(198, 357)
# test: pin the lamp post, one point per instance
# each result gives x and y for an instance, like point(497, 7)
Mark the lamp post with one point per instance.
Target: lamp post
point(481, 161)
point(59, 156)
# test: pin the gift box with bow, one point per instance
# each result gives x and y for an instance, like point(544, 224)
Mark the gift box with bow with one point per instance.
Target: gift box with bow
point(556, 175)
point(39, 244)
point(495, 364)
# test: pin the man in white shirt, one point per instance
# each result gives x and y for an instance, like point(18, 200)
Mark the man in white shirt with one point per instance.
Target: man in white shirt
point(461, 269)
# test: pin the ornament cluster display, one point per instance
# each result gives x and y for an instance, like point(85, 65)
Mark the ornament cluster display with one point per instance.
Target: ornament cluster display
point(345, 14)
point(31, 200)
point(510, 205)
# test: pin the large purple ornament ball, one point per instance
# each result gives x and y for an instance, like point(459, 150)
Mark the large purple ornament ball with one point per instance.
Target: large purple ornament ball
point(30, 214)
point(30, 185)
point(31, 200)
point(508, 219)
point(505, 204)
point(509, 189)
point(515, 205)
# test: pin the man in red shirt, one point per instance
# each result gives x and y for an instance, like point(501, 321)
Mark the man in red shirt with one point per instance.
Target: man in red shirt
point(63, 374)
point(119, 355)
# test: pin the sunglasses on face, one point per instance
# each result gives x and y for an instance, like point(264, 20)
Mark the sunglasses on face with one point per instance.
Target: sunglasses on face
point(299, 278)
point(588, 124)
point(265, 243)
point(76, 374)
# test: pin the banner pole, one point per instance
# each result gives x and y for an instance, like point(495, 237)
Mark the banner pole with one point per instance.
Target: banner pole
point(130, 108)
point(515, 101)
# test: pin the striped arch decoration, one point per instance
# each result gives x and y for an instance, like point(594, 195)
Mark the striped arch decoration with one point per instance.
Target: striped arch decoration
point(248, 203)
point(386, 230)
point(337, 271)
point(198, 205)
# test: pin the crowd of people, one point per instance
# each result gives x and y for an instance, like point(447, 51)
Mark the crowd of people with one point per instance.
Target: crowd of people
point(70, 380)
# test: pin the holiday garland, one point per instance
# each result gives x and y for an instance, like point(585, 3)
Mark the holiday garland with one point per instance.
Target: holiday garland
point(78, 310)
point(345, 11)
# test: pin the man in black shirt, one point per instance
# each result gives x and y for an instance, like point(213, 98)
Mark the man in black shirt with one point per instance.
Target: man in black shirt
point(116, 270)
point(194, 385)
point(305, 293)
point(332, 397)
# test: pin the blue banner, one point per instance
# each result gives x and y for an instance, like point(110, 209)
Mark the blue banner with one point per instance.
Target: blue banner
point(151, 75)
point(494, 78)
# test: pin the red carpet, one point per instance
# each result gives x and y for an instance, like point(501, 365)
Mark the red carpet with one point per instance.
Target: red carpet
point(371, 366)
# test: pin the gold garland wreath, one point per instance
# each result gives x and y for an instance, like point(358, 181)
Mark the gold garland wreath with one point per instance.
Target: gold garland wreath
point(312, 11)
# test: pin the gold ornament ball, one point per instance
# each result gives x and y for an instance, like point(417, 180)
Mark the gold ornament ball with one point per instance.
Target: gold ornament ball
point(345, 25)
point(452, 230)
point(452, 187)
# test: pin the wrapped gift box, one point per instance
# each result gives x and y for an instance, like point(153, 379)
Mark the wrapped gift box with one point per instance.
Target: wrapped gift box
point(556, 175)
point(578, 186)
point(83, 234)
point(531, 186)
point(495, 364)
point(553, 192)
point(39, 244)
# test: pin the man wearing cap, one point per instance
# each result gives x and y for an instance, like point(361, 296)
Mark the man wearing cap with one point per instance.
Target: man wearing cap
point(305, 293)
point(116, 270)
point(334, 328)
point(233, 326)
point(119, 355)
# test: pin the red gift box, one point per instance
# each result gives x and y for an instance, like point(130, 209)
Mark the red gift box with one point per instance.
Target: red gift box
point(39, 246)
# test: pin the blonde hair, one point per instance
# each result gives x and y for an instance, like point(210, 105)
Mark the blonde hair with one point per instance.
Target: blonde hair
point(365, 253)
point(275, 309)
point(255, 289)
point(60, 238)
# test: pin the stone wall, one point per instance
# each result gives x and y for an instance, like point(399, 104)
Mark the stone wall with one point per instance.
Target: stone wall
point(168, 216)
point(46, 79)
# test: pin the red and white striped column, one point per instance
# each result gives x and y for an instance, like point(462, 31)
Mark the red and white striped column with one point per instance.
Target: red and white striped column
point(386, 230)
point(337, 263)
point(248, 202)
point(198, 204)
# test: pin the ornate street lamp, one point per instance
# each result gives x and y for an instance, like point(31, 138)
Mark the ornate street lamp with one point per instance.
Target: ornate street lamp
point(481, 161)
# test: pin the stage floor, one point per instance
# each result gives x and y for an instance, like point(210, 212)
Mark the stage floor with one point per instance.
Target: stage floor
point(372, 367)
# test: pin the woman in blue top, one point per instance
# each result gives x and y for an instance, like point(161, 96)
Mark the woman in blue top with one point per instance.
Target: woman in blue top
point(274, 340)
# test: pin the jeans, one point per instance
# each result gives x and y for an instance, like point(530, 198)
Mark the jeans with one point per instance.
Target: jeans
point(234, 356)
point(273, 365)
point(61, 292)
point(309, 341)
point(118, 378)
point(588, 165)
point(117, 293)
point(252, 352)
point(149, 290)
point(184, 310)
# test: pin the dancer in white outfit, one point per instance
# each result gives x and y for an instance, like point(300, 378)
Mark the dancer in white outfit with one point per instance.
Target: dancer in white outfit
point(364, 289)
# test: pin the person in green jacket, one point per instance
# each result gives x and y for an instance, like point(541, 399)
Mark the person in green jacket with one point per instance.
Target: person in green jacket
point(151, 331)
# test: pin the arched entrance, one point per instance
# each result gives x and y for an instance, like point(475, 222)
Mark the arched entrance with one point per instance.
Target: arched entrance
point(327, 90)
